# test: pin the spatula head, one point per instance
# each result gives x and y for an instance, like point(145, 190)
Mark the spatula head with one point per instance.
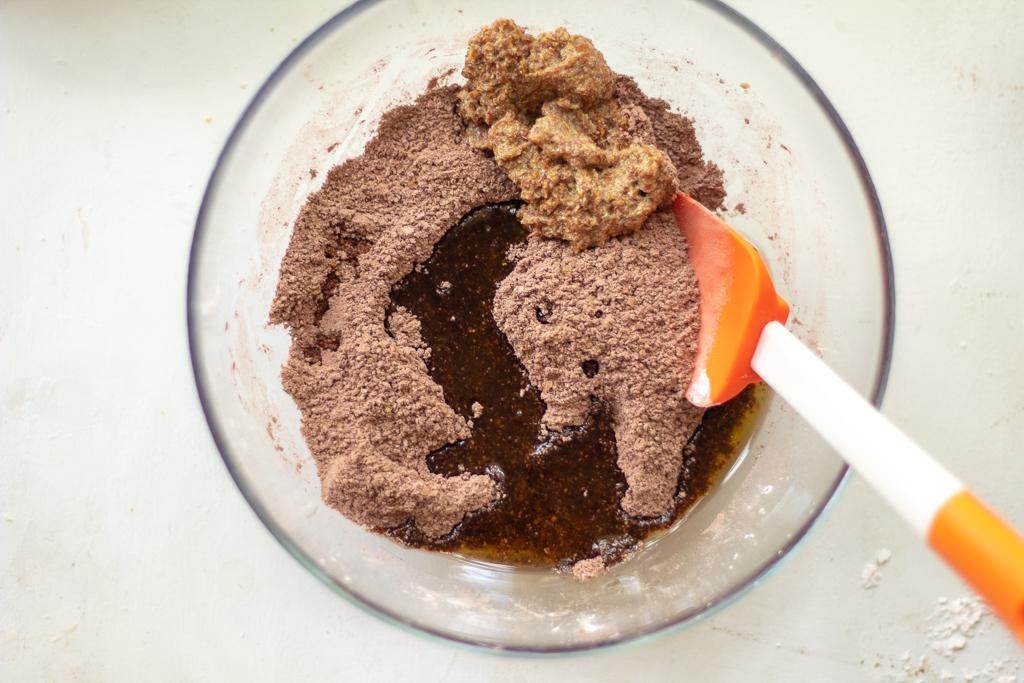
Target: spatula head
point(737, 299)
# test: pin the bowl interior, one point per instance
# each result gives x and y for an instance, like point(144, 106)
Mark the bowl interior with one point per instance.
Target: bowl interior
point(808, 206)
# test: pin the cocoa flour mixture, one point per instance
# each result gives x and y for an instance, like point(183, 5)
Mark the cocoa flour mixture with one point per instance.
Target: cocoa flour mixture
point(608, 317)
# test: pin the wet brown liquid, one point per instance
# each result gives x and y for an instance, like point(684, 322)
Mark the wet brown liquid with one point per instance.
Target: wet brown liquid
point(561, 494)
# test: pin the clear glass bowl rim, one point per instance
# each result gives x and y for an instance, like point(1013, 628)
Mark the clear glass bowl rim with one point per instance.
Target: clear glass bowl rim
point(878, 390)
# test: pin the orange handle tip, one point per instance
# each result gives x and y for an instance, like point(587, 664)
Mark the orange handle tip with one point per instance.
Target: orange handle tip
point(987, 552)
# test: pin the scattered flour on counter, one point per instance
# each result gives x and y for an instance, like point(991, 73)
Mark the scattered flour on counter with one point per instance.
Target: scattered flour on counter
point(947, 633)
point(912, 670)
point(998, 671)
point(953, 623)
point(869, 576)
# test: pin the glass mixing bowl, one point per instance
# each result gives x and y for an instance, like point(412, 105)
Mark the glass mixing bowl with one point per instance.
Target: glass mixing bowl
point(808, 206)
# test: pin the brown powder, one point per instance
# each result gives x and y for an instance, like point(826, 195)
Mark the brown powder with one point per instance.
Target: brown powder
point(618, 323)
point(371, 413)
point(587, 570)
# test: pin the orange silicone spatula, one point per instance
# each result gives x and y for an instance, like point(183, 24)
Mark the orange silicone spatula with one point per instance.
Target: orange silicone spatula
point(742, 339)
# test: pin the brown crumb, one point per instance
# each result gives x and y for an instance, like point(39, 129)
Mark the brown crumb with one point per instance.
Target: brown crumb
point(586, 570)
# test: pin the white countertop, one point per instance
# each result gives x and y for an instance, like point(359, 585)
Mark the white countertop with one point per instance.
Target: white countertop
point(128, 554)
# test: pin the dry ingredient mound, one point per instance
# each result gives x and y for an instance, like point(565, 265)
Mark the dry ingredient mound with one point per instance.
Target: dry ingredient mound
point(546, 107)
point(620, 324)
point(370, 412)
point(619, 321)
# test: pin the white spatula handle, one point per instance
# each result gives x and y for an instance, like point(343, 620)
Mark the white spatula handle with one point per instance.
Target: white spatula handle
point(903, 474)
